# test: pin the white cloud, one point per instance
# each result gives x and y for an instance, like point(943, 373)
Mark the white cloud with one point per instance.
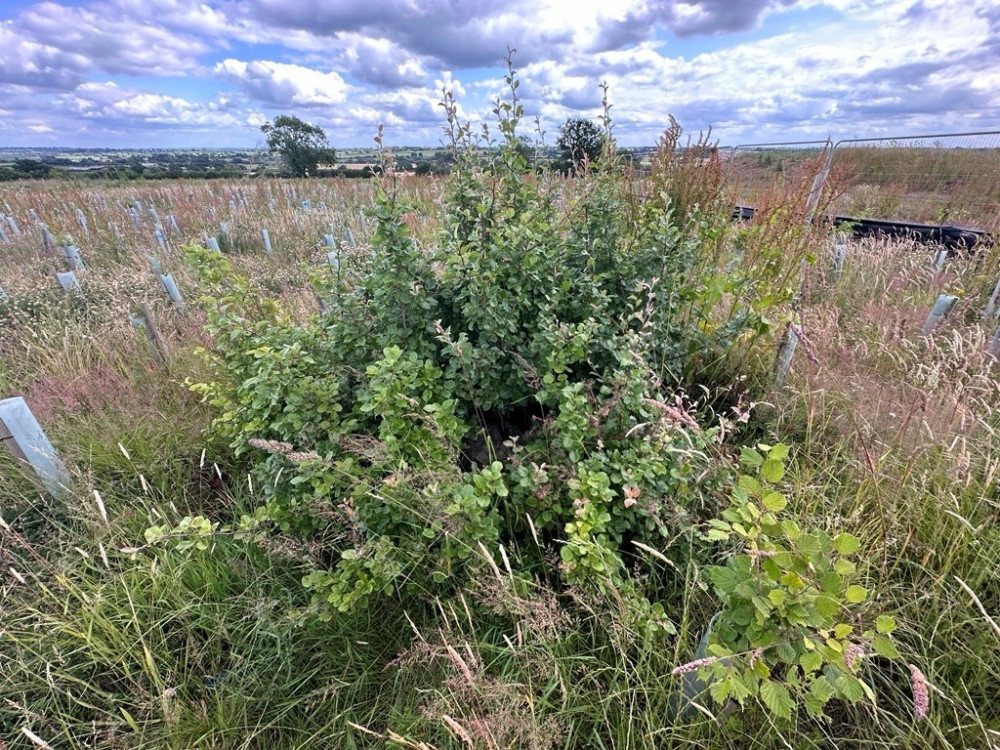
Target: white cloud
point(381, 62)
point(109, 43)
point(233, 64)
point(109, 104)
point(28, 62)
point(283, 84)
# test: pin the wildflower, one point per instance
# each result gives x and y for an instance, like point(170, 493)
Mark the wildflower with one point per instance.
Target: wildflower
point(631, 493)
point(692, 666)
point(852, 654)
point(920, 698)
point(458, 730)
point(302, 456)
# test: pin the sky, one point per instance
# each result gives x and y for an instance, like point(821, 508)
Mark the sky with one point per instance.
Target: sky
point(209, 73)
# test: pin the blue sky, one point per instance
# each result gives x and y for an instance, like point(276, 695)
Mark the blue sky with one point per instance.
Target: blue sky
point(190, 73)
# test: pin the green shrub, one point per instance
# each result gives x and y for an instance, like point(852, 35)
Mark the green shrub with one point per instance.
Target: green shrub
point(790, 629)
point(521, 379)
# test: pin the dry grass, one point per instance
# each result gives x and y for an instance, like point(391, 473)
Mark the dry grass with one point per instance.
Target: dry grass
point(956, 181)
point(896, 438)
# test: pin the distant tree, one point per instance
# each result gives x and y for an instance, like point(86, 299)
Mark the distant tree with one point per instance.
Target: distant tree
point(32, 168)
point(580, 140)
point(302, 146)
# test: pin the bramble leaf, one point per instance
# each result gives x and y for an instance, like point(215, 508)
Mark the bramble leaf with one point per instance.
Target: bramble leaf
point(884, 646)
point(846, 544)
point(885, 624)
point(775, 502)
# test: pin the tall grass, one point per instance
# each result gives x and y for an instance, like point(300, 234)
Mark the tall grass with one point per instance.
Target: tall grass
point(953, 181)
point(107, 642)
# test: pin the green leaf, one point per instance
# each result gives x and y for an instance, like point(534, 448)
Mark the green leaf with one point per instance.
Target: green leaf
point(826, 606)
point(846, 544)
point(810, 544)
point(884, 646)
point(750, 457)
point(775, 502)
point(831, 583)
point(739, 689)
point(844, 567)
point(741, 615)
point(778, 452)
point(724, 578)
point(720, 690)
point(129, 720)
point(772, 471)
point(869, 693)
point(791, 529)
point(885, 624)
point(813, 707)
point(810, 661)
point(785, 652)
point(855, 594)
point(792, 580)
point(761, 669)
point(821, 689)
point(777, 699)
point(850, 687)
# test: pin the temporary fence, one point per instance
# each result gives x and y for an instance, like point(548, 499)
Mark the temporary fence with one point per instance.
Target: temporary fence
point(947, 178)
point(944, 178)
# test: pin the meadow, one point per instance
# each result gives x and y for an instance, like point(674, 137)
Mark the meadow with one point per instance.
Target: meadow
point(495, 461)
point(951, 180)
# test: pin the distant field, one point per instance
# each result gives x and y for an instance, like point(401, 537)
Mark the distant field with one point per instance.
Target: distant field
point(958, 186)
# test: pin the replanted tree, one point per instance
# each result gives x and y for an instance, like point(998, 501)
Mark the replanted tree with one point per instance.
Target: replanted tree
point(518, 389)
point(302, 146)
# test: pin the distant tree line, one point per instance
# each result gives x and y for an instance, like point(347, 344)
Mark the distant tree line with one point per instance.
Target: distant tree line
point(297, 149)
point(159, 165)
point(25, 169)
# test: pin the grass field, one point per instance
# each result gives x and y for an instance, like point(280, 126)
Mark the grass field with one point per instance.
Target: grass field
point(955, 182)
point(160, 602)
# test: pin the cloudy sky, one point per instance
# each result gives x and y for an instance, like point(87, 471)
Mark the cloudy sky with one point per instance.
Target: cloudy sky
point(176, 73)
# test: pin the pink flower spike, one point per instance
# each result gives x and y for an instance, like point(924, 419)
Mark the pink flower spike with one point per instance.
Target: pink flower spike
point(921, 701)
point(691, 666)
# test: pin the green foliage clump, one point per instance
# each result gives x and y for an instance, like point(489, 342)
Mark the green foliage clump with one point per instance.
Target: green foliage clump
point(579, 144)
point(517, 384)
point(791, 624)
point(301, 145)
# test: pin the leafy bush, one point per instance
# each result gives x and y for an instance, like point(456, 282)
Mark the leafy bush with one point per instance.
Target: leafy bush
point(790, 627)
point(522, 379)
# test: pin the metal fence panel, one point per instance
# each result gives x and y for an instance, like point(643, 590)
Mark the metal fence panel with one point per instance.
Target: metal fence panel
point(949, 178)
point(755, 168)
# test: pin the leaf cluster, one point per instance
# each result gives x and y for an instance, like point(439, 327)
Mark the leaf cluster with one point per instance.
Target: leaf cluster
point(791, 627)
point(301, 145)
